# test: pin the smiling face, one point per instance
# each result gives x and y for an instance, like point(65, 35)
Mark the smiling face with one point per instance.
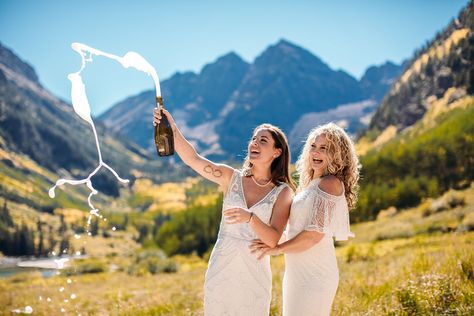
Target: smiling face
point(318, 155)
point(261, 148)
point(268, 148)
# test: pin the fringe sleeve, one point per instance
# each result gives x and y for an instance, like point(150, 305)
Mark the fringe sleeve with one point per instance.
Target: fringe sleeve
point(329, 215)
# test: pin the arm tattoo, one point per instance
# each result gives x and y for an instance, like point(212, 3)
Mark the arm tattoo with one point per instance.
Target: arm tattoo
point(215, 172)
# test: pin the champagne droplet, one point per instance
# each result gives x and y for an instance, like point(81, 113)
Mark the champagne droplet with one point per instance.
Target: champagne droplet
point(51, 192)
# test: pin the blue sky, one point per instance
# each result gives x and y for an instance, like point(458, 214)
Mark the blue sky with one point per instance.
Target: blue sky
point(185, 35)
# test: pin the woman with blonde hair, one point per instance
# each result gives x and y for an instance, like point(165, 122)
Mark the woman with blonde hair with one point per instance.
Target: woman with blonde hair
point(256, 204)
point(329, 171)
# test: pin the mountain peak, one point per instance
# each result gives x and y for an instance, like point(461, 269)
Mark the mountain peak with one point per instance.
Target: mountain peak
point(285, 47)
point(286, 54)
point(229, 61)
point(285, 43)
point(377, 79)
point(230, 57)
point(11, 61)
point(224, 65)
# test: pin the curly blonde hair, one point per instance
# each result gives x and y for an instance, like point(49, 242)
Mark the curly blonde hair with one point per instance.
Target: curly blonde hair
point(342, 160)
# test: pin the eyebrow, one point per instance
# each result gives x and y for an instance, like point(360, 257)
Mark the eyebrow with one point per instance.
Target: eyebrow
point(263, 136)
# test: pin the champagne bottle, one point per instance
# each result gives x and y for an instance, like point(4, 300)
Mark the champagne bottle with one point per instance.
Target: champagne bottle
point(164, 140)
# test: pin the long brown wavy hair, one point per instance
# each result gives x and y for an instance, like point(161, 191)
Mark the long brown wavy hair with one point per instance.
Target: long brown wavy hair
point(280, 168)
point(342, 160)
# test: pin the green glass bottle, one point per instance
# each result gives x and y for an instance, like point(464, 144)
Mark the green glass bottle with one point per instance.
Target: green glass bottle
point(164, 140)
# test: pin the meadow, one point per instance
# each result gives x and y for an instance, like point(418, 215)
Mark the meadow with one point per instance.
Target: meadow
point(417, 261)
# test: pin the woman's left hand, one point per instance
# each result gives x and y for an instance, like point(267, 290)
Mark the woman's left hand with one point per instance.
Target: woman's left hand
point(237, 216)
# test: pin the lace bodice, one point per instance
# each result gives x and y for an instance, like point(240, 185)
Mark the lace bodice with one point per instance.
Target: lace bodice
point(315, 210)
point(234, 198)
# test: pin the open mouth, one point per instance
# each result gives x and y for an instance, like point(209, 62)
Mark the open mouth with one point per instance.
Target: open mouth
point(315, 160)
point(254, 151)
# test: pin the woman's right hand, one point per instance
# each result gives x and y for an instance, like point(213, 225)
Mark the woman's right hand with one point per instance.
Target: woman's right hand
point(260, 249)
point(217, 173)
point(157, 117)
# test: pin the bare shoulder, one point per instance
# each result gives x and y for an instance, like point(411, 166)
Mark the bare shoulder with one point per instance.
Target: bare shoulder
point(332, 185)
point(286, 195)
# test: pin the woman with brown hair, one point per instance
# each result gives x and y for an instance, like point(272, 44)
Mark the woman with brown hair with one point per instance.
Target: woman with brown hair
point(329, 171)
point(256, 204)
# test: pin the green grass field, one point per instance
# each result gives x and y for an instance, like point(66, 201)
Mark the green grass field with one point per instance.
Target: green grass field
point(423, 275)
point(413, 262)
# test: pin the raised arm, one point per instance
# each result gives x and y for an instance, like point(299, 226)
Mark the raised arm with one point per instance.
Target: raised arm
point(217, 173)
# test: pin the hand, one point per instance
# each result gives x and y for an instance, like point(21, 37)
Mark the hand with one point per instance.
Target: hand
point(237, 216)
point(157, 117)
point(261, 249)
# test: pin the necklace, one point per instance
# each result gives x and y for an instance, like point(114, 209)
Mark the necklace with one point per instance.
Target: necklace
point(261, 185)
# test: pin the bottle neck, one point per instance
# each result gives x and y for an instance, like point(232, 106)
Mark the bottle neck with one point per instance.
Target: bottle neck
point(159, 102)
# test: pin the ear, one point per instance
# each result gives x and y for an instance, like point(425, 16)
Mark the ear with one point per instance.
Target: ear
point(277, 153)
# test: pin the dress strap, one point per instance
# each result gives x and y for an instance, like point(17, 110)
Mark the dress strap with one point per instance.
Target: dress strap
point(276, 192)
point(233, 184)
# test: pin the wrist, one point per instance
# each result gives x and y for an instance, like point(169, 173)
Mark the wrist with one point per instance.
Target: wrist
point(250, 217)
point(279, 249)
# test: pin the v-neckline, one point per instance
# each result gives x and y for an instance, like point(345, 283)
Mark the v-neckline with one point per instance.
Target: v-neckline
point(245, 199)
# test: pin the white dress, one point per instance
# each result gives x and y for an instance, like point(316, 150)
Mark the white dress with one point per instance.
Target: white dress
point(311, 277)
point(236, 282)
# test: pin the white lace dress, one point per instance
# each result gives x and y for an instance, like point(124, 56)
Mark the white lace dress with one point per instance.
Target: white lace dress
point(236, 282)
point(311, 277)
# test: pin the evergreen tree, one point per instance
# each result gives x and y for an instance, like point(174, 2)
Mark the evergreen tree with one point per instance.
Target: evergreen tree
point(52, 240)
point(94, 226)
point(25, 243)
point(40, 251)
point(142, 232)
point(4, 239)
point(125, 222)
point(5, 217)
point(470, 81)
point(64, 243)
